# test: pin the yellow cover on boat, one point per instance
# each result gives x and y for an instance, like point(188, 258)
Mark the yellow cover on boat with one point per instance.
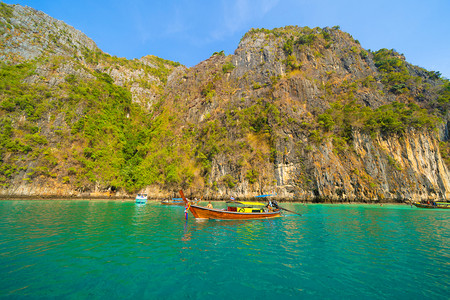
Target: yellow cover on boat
point(250, 203)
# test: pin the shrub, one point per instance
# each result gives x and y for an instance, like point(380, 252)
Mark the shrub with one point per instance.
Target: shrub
point(256, 85)
point(326, 121)
point(307, 39)
point(229, 181)
point(292, 64)
point(8, 105)
point(36, 139)
point(228, 67)
point(221, 53)
point(288, 46)
point(252, 176)
point(363, 54)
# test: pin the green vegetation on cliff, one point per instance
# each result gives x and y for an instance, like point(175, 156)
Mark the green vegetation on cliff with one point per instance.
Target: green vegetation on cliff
point(281, 112)
point(95, 134)
point(394, 118)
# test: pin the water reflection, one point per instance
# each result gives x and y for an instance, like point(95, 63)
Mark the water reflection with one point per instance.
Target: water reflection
point(186, 234)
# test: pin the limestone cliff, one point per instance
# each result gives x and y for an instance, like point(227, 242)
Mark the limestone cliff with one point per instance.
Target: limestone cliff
point(279, 84)
point(306, 113)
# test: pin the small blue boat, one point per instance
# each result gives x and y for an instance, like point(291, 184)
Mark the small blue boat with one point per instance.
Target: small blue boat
point(141, 199)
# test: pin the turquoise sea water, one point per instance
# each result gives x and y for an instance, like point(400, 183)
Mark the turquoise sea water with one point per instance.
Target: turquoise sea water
point(118, 250)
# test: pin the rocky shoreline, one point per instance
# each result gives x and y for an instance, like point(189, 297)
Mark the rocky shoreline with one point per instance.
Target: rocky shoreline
point(52, 197)
point(157, 199)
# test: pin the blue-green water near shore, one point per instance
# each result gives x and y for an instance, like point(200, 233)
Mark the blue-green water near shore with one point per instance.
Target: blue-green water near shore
point(118, 250)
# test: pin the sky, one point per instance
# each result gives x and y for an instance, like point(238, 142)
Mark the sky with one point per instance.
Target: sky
point(190, 31)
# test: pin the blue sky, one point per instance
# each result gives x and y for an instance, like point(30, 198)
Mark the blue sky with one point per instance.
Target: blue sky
point(189, 31)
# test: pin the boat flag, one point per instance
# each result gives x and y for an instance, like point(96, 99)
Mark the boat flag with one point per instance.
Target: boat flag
point(186, 209)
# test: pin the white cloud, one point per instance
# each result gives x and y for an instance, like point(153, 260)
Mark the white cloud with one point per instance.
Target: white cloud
point(177, 22)
point(267, 5)
point(237, 15)
point(137, 18)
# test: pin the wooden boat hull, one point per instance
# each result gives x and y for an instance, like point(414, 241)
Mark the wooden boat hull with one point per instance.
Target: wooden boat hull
point(440, 206)
point(200, 212)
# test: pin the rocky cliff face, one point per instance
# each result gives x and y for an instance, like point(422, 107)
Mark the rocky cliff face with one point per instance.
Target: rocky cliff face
point(28, 34)
point(290, 77)
point(306, 113)
point(380, 169)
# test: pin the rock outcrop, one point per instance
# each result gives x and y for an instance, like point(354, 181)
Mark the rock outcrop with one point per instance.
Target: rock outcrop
point(306, 113)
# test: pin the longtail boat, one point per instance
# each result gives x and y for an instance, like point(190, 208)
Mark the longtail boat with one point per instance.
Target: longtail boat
point(173, 201)
point(441, 205)
point(235, 210)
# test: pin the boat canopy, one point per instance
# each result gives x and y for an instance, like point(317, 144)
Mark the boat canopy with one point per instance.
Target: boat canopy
point(262, 196)
point(246, 203)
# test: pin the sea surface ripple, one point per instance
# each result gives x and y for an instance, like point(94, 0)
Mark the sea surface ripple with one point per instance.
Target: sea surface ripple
point(96, 249)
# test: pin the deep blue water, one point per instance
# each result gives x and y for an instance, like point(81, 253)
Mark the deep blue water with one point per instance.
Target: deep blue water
point(118, 250)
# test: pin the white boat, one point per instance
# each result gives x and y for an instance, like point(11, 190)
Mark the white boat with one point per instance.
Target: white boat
point(141, 199)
